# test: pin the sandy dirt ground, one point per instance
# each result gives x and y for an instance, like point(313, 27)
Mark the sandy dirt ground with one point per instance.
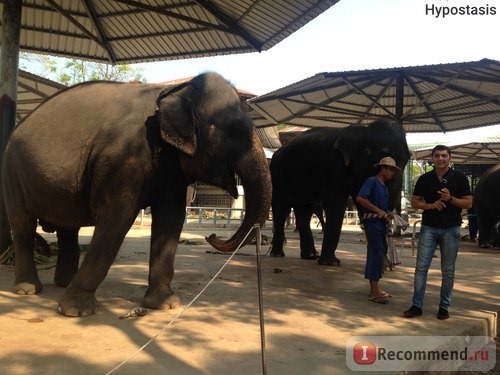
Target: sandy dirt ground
point(310, 312)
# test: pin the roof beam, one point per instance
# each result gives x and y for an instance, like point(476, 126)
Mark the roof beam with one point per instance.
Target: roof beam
point(169, 13)
point(422, 101)
point(77, 24)
point(230, 23)
point(102, 35)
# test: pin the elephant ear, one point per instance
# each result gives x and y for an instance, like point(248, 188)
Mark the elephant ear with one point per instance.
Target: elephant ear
point(176, 118)
point(350, 143)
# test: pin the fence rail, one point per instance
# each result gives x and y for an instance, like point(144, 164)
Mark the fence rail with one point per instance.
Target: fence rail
point(226, 217)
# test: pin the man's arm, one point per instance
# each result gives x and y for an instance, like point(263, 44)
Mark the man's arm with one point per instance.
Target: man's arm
point(369, 205)
point(462, 202)
point(417, 201)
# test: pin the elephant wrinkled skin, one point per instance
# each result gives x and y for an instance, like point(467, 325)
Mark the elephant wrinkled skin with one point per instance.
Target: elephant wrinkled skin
point(325, 166)
point(97, 153)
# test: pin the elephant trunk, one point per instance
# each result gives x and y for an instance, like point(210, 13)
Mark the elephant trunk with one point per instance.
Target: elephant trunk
point(256, 179)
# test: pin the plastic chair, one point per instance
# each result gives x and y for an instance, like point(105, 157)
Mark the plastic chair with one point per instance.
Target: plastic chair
point(413, 239)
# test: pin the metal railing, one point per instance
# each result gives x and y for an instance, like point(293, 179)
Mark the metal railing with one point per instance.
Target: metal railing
point(214, 215)
point(203, 216)
point(226, 217)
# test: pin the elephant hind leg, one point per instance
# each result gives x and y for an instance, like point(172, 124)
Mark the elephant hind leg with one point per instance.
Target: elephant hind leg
point(333, 228)
point(110, 230)
point(280, 215)
point(27, 280)
point(68, 256)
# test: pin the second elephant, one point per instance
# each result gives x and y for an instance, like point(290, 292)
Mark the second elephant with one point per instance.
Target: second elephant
point(325, 166)
point(487, 207)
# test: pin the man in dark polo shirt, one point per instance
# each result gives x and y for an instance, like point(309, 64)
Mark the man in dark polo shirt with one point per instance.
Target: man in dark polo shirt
point(442, 194)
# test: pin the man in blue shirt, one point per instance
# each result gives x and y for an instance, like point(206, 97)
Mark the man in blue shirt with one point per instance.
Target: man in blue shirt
point(373, 197)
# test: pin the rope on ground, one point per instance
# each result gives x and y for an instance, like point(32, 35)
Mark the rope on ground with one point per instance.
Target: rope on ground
point(264, 371)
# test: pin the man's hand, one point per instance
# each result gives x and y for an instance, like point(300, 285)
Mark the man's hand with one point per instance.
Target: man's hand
point(438, 205)
point(445, 194)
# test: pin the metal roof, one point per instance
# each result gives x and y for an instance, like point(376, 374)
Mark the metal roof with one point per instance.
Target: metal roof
point(132, 31)
point(33, 90)
point(429, 98)
point(480, 151)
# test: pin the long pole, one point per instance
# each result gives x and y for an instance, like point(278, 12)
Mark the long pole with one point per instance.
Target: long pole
point(258, 240)
point(9, 65)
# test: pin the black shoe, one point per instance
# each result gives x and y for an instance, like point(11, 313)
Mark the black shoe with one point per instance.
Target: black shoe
point(412, 312)
point(442, 314)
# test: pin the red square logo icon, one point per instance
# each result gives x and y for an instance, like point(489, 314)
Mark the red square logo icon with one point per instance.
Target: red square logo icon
point(365, 353)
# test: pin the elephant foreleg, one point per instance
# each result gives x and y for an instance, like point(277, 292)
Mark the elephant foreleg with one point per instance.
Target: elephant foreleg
point(486, 232)
point(333, 227)
point(167, 223)
point(303, 215)
point(68, 256)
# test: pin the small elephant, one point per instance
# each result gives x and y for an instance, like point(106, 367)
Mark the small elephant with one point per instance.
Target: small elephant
point(487, 206)
point(325, 166)
point(96, 153)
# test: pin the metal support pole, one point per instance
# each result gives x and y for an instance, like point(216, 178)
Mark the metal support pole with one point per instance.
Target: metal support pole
point(400, 97)
point(9, 64)
point(258, 240)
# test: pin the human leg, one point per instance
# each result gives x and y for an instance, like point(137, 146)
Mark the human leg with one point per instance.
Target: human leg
point(427, 242)
point(374, 254)
point(449, 249)
point(374, 260)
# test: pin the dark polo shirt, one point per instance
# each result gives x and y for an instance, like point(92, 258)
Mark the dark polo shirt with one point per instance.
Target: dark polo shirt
point(427, 186)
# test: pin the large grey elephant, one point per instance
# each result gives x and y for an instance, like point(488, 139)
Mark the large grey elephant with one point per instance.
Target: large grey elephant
point(487, 207)
point(97, 153)
point(325, 166)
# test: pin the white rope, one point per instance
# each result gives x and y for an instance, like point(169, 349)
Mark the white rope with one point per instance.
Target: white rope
point(183, 310)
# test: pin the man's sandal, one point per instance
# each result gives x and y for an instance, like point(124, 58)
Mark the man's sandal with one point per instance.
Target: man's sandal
point(383, 294)
point(379, 299)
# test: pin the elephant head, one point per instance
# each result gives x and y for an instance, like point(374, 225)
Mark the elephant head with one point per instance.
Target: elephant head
point(363, 147)
point(204, 118)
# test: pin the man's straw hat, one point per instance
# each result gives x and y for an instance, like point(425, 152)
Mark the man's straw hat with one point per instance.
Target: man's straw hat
point(388, 161)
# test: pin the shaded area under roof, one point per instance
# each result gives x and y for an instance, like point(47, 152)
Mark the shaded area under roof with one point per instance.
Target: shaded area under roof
point(132, 31)
point(428, 98)
point(33, 90)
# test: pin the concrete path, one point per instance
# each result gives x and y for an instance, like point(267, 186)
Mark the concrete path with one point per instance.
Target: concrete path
point(310, 312)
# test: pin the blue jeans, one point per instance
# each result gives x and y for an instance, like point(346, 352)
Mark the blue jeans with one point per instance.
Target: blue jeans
point(376, 231)
point(428, 240)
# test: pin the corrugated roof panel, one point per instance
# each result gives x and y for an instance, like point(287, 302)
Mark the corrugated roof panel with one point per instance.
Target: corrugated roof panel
point(33, 90)
point(143, 30)
point(443, 97)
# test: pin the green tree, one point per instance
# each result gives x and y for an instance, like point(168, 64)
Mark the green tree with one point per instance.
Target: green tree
point(73, 71)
